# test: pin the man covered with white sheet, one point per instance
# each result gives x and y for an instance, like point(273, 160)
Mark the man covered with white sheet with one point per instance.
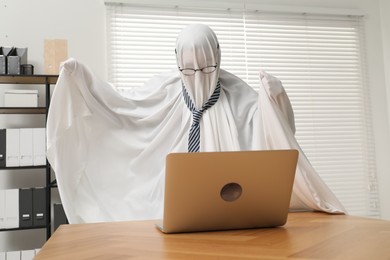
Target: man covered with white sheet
point(108, 149)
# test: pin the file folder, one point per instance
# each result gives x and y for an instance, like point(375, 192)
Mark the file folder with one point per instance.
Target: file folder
point(12, 208)
point(4, 51)
point(13, 255)
point(39, 146)
point(26, 147)
point(39, 207)
point(27, 254)
point(25, 207)
point(12, 148)
point(2, 209)
point(2, 147)
point(15, 59)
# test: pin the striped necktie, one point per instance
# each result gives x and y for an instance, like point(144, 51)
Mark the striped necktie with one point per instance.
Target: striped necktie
point(194, 136)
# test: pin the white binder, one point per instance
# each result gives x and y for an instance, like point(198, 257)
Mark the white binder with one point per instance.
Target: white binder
point(27, 254)
point(12, 148)
point(39, 146)
point(12, 208)
point(13, 255)
point(2, 209)
point(26, 147)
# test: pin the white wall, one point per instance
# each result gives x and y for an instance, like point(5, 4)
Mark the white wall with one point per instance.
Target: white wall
point(82, 23)
point(26, 23)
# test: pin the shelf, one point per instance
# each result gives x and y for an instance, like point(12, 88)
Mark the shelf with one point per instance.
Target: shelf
point(22, 110)
point(46, 81)
point(23, 167)
point(28, 79)
point(25, 228)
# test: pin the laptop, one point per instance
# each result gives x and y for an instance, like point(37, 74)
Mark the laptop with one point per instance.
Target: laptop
point(209, 191)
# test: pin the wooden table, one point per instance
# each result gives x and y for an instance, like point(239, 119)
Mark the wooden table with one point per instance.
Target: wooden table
point(305, 236)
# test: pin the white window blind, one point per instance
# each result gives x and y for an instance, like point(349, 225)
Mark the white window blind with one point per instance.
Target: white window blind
point(319, 58)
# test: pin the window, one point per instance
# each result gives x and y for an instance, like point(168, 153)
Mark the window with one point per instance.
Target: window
point(319, 58)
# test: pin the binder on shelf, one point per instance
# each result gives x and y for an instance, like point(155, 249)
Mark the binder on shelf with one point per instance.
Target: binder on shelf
point(39, 146)
point(2, 209)
point(59, 215)
point(12, 208)
point(2, 256)
point(26, 147)
point(13, 255)
point(12, 147)
point(25, 207)
point(2, 147)
point(39, 207)
point(27, 254)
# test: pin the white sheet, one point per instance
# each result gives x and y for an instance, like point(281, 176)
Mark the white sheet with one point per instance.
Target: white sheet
point(108, 149)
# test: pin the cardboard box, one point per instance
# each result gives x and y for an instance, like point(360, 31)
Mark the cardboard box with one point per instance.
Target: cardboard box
point(21, 98)
point(56, 51)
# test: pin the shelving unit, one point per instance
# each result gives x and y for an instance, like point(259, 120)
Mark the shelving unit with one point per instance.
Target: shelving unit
point(46, 81)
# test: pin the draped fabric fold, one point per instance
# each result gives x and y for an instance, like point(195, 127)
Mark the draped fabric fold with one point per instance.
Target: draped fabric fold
point(108, 149)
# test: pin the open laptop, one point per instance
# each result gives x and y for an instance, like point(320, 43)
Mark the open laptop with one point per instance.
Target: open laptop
point(227, 190)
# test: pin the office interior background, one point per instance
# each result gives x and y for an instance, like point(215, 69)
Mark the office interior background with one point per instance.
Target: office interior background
point(83, 24)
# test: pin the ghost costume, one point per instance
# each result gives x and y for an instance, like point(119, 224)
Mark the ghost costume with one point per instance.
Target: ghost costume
point(108, 149)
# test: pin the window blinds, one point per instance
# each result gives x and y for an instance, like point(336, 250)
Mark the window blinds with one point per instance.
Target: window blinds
point(319, 58)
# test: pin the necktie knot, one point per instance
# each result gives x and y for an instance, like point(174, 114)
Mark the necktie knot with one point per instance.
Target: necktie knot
point(194, 135)
point(196, 116)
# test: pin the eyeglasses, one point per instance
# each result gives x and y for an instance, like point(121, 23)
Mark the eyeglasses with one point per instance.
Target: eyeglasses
point(205, 70)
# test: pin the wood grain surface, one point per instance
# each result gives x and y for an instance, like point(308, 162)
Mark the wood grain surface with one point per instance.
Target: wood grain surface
point(306, 235)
